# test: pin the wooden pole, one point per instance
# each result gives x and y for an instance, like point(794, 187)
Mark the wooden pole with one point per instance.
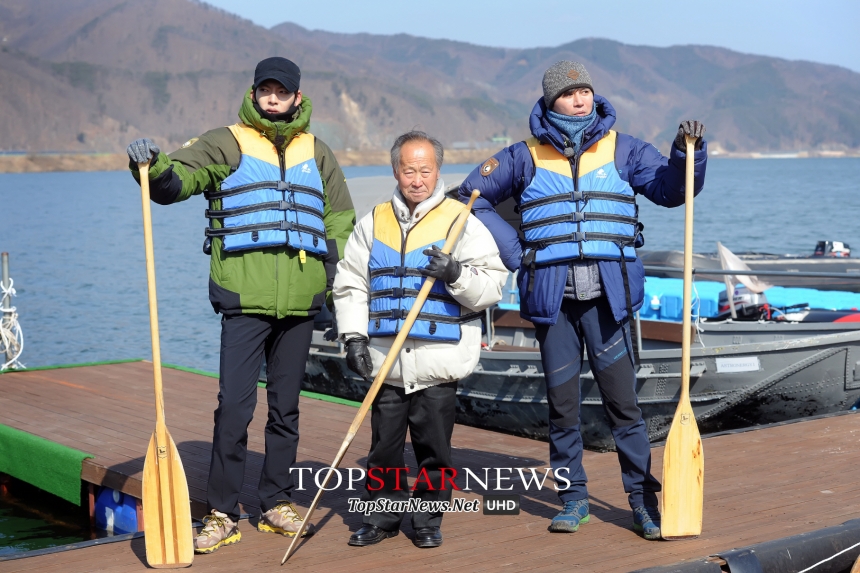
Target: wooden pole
point(683, 458)
point(166, 505)
point(856, 567)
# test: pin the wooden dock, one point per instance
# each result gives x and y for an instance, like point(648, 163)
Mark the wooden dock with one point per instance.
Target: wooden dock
point(759, 485)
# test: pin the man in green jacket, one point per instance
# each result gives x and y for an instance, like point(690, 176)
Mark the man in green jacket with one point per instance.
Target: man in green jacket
point(279, 216)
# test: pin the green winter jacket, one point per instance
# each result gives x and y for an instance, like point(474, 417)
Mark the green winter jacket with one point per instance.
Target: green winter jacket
point(268, 281)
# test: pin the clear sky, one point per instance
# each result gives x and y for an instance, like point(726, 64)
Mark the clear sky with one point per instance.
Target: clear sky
point(826, 31)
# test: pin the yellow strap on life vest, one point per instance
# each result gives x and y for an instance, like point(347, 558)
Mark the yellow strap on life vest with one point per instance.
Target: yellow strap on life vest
point(432, 228)
point(253, 143)
point(547, 157)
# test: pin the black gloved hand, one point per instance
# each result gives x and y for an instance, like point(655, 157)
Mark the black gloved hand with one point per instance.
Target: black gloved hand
point(142, 150)
point(358, 357)
point(441, 266)
point(692, 128)
point(332, 334)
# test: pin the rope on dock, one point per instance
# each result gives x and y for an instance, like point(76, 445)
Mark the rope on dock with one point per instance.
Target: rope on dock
point(823, 561)
point(11, 335)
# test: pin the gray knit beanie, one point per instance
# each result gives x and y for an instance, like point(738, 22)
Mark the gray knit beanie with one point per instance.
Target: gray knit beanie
point(561, 77)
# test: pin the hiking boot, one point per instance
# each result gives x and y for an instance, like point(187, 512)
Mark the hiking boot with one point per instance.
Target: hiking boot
point(646, 520)
point(218, 530)
point(284, 518)
point(572, 515)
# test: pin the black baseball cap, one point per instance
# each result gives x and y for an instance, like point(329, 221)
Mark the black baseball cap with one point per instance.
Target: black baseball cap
point(279, 69)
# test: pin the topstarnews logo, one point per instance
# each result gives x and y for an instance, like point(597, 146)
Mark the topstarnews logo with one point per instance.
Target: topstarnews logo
point(493, 479)
point(413, 505)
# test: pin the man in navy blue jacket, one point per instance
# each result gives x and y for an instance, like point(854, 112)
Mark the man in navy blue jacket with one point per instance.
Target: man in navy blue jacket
point(579, 279)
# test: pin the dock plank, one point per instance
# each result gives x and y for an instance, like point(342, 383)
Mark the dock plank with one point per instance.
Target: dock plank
point(759, 485)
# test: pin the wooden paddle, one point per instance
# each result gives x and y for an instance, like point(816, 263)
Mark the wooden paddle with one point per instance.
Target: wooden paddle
point(393, 353)
point(166, 507)
point(683, 459)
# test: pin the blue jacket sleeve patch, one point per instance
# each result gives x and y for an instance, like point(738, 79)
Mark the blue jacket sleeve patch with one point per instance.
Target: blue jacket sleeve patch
point(514, 171)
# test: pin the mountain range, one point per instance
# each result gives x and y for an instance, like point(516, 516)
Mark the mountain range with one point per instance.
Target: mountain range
point(92, 75)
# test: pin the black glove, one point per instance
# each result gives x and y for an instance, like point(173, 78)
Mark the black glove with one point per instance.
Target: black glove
point(692, 128)
point(358, 357)
point(441, 266)
point(332, 334)
point(142, 150)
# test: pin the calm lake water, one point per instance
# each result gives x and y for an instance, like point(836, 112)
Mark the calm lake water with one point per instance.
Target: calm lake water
point(31, 519)
point(76, 253)
point(76, 249)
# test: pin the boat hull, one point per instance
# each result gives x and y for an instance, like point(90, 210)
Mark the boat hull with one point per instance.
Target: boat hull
point(798, 374)
point(764, 262)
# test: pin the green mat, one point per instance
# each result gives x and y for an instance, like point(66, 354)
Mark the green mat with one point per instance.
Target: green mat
point(45, 464)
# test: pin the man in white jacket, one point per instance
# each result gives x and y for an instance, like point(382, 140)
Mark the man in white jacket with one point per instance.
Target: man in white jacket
point(385, 261)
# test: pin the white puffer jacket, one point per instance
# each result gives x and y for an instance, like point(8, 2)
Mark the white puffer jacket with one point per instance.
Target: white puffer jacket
point(421, 363)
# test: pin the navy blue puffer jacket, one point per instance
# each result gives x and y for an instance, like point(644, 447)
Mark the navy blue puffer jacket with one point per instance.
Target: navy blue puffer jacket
point(640, 164)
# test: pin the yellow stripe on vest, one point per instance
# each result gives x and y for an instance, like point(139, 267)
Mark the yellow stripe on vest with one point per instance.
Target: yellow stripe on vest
point(598, 155)
point(432, 228)
point(386, 229)
point(255, 144)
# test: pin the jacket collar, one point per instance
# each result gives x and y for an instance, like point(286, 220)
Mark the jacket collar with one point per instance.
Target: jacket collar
point(546, 133)
point(272, 130)
point(401, 211)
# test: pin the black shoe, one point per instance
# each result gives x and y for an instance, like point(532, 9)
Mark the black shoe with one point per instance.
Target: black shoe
point(370, 535)
point(428, 537)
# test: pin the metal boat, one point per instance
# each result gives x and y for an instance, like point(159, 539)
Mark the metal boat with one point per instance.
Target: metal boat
point(743, 373)
point(794, 270)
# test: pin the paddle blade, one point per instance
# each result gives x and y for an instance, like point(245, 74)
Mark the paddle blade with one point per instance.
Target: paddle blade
point(683, 477)
point(166, 508)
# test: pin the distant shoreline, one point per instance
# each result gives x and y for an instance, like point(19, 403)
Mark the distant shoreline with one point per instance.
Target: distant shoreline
point(47, 162)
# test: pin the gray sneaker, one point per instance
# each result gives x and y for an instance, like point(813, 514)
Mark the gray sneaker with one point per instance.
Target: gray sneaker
point(646, 520)
point(284, 518)
point(572, 514)
point(218, 530)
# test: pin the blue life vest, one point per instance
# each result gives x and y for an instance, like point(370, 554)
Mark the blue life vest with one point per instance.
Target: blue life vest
point(592, 216)
point(270, 200)
point(395, 279)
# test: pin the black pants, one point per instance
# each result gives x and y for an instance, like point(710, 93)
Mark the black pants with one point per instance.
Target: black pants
point(429, 415)
point(244, 340)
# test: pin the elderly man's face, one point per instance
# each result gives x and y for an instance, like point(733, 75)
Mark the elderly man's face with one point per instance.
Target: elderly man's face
point(578, 102)
point(417, 173)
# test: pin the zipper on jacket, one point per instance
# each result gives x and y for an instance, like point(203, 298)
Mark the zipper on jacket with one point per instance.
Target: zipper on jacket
point(404, 235)
point(573, 164)
point(283, 162)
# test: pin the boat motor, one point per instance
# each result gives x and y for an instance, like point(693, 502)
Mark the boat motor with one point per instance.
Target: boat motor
point(749, 305)
point(836, 249)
